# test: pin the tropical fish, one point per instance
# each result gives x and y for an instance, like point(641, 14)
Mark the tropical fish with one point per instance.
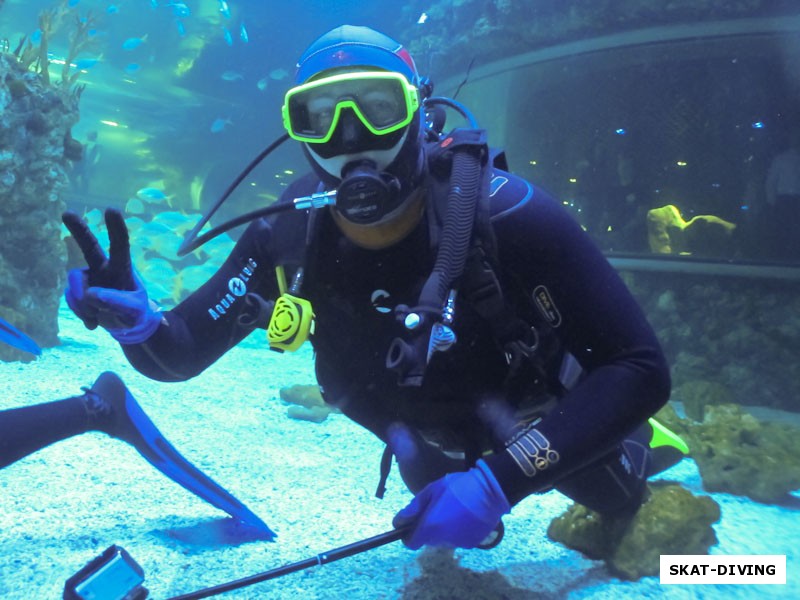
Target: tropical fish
point(228, 36)
point(422, 18)
point(112, 9)
point(131, 68)
point(134, 42)
point(192, 277)
point(196, 192)
point(134, 224)
point(86, 63)
point(278, 74)
point(160, 293)
point(151, 194)
point(243, 33)
point(180, 27)
point(159, 238)
point(134, 206)
point(224, 9)
point(175, 221)
point(179, 9)
point(219, 125)
point(159, 275)
point(156, 269)
point(217, 249)
point(232, 76)
point(94, 218)
point(262, 83)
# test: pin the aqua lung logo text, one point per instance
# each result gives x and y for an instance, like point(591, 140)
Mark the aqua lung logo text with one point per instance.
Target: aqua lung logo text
point(237, 287)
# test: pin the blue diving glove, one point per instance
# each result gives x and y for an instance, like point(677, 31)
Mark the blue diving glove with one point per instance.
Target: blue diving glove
point(108, 293)
point(460, 509)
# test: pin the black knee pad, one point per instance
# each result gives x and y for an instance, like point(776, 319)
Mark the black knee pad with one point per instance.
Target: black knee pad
point(615, 484)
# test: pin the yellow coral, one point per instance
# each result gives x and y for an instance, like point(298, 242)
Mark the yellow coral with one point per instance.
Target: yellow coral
point(662, 225)
point(668, 233)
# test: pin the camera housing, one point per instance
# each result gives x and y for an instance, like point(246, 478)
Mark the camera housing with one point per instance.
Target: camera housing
point(114, 575)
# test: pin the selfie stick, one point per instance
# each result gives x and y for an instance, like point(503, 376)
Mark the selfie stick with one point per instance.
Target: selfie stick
point(320, 559)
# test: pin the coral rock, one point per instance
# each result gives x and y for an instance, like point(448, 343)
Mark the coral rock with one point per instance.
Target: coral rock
point(671, 521)
point(738, 454)
point(307, 403)
point(696, 394)
point(35, 119)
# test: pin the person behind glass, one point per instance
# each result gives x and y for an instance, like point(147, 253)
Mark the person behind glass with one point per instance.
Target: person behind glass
point(497, 360)
point(783, 199)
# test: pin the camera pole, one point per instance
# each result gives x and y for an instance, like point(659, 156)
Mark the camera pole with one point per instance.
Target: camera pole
point(320, 559)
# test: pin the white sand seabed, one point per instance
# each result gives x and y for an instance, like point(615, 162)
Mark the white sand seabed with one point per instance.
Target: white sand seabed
point(312, 483)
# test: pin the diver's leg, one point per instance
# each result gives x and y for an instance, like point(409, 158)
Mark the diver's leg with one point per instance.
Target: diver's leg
point(615, 484)
point(109, 407)
point(27, 429)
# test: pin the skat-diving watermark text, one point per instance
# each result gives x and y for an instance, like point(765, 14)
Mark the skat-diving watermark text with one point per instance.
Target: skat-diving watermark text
point(716, 569)
point(237, 287)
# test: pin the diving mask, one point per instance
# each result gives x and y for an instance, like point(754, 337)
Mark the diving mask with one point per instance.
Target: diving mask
point(383, 101)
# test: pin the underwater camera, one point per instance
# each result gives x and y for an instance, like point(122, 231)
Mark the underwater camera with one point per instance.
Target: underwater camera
point(114, 575)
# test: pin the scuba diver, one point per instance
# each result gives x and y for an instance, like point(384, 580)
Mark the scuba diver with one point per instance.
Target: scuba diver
point(109, 407)
point(456, 311)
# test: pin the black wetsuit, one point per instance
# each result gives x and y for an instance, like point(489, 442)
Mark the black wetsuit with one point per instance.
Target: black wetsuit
point(547, 262)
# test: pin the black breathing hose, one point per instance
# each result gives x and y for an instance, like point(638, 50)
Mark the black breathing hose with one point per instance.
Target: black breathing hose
point(454, 247)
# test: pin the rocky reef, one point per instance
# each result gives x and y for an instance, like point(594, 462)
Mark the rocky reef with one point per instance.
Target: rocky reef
point(727, 339)
point(35, 147)
point(671, 521)
point(37, 114)
point(738, 454)
point(305, 403)
point(697, 394)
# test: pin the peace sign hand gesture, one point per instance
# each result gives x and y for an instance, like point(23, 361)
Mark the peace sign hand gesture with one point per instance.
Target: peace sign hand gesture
point(108, 293)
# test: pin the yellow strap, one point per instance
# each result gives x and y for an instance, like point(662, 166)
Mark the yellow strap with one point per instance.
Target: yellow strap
point(280, 275)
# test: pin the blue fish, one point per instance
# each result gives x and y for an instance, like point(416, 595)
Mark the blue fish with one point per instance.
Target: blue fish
point(133, 43)
point(112, 9)
point(224, 9)
point(228, 36)
point(179, 9)
point(180, 27)
point(86, 63)
point(150, 194)
point(132, 68)
point(243, 34)
point(36, 36)
point(232, 76)
point(219, 125)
